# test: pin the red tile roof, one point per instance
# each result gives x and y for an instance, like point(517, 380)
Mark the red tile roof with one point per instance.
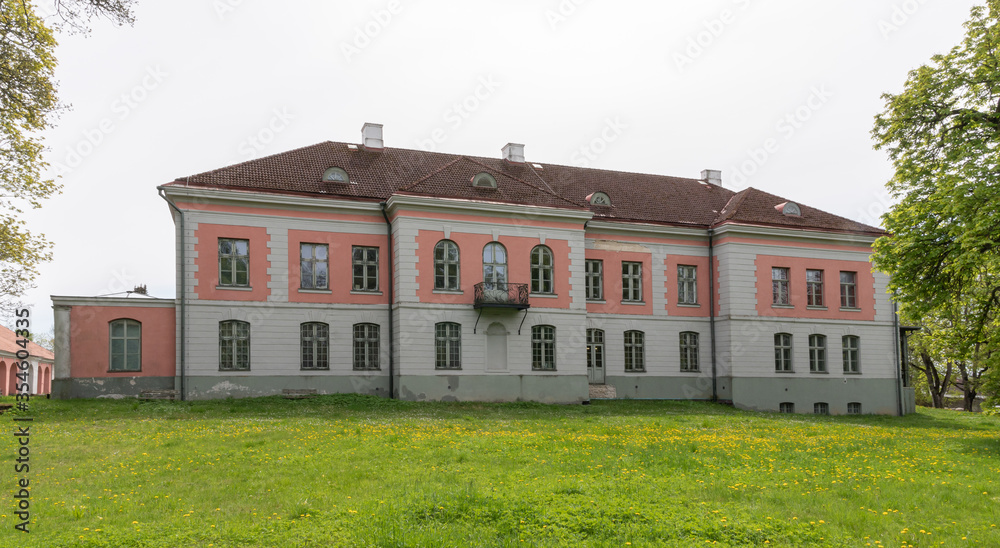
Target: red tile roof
point(8, 343)
point(635, 197)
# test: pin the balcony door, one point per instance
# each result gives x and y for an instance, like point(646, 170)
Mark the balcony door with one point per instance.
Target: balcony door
point(495, 272)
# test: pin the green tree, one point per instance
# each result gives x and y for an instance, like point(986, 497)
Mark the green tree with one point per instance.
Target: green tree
point(28, 106)
point(942, 134)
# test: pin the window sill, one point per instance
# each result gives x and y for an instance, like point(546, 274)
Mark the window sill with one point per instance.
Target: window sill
point(689, 305)
point(816, 307)
point(596, 301)
point(124, 370)
point(314, 369)
point(360, 292)
point(543, 295)
point(363, 370)
point(448, 292)
point(447, 368)
point(849, 309)
point(234, 370)
point(637, 303)
point(690, 370)
point(533, 370)
point(784, 371)
point(234, 288)
point(782, 306)
point(819, 372)
point(852, 372)
point(315, 291)
point(627, 371)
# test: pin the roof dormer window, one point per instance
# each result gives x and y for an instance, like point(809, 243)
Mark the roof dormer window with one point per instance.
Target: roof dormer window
point(599, 199)
point(789, 209)
point(484, 180)
point(335, 175)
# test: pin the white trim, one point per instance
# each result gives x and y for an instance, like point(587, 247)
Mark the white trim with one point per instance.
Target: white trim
point(795, 234)
point(61, 300)
point(695, 234)
point(436, 204)
point(250, 198)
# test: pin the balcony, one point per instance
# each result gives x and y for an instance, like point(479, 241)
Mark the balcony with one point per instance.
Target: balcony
point(501, 295)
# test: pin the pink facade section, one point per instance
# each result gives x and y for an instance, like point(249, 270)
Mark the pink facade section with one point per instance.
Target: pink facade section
point(90, 340)
point(612, 269)
point(340, 282)
point(280, 213)
point(798, 308)
point(702, 286)
point(207, 262)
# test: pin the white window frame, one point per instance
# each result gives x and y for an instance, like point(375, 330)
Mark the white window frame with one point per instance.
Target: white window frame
point(814, 287)
point(234, 343)
point(367, 280)
point(687, 284)
point(595, 279)
point(852, 353)
point(311, 260)
point(235, 259)
point(779, 286)
point(367, 346)
point(783, 352)
point(447, 269)
point(817, 353)
point(542, 275)
point(447, 346)
point(848, 289)
point(689, 351)
point(314, 346)
point(635, 351)
point(543, 348)
point(632, 281)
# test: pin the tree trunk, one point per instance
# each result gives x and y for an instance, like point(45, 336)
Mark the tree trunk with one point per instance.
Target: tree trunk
point(935, 383)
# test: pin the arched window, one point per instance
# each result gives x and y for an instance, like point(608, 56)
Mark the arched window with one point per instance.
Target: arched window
point(817, 353)
point(543, 348)
point(782, 352)
point(689, 351)
point(366, 346)
point(234, 345)
point(852, 354)
point(446, 266)
point(541, 269)
point(315, 344)
point(635, 355)
point(126, 345)
point(495, 266)
point(447, 345)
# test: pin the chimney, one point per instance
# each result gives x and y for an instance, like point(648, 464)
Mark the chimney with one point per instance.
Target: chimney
point(712, 176)
point(371, 136)
point(513, 152)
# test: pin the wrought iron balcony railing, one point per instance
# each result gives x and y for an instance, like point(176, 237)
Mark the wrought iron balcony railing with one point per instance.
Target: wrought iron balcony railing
point(501, 295)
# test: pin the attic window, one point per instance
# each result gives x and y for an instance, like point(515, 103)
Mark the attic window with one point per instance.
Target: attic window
point(789, 209)
point(599, 198)
point(484, 180)
point(335, 175)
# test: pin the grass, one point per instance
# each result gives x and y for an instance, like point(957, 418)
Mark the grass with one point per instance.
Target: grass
point(360, 471)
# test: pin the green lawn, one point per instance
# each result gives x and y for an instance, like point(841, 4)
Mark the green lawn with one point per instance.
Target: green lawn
point(358, 471)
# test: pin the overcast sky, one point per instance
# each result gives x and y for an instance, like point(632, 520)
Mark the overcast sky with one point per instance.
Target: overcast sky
point(778, 94)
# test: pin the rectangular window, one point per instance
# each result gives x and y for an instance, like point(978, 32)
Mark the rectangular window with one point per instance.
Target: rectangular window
point(786, 407)
point(631, 281)
point(315, 343)
point(821, 408)
point(595, 279)
point(817, 353)
point(782, 352)
point(779, 286)
point(365, 263)
point(635, 359)
point(852, 358)
point(234, 345)
point(848, 290)
point(543, 347)
point(689, 351)
point(542, 270)
point(126, 345)
point(687, 287)
point(446, 266)
point(366, 347)
point(854, 408)
point(315, 266)
point(814, 287)
point(447, 346)
point(234, 262)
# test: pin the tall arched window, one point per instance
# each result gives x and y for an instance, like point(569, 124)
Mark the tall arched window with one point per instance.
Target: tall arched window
point(126, 345)
point(315, 343)
point(495, 266)
point(234, 345)
point(447, 345)
point(543, 347)
point(635, 355)
point(541, 269)
point(446, 266)
point(366, 346)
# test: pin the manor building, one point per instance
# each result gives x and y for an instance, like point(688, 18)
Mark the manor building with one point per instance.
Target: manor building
point(359, 268)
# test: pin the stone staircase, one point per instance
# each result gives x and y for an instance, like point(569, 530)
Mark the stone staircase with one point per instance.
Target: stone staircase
point(602, 392)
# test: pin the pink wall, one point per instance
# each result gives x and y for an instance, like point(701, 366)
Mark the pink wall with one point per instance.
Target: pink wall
point(470, 248)
point(3, 378)
point(613, 282)
point(207, 262)
point(831, 288)
point(674, 309)
point(476, 218)
point(90, 344)
point(340, 269)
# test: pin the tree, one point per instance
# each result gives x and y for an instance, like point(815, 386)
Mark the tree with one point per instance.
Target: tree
point(942, 134)
point(28, 105)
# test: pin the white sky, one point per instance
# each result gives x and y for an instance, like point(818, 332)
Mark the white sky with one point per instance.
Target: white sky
point(198, 85)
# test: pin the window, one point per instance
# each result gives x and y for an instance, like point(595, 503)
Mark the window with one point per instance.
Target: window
point(315, 265)
point(126, 345)
point(786, 407)
point(366, 346)
point(599, 198)
point(595, 349)
point(851, 354)
point(687, 287)
point(315, 342)
point(234, 262)
point(817, 353)
point(689, 351)
point(234, 345)
point(779, 285)
point(335, 175)
point(854, 408)
point(541, 269)
point(814, 288)
point(446, 266)
point(484, 180)
point(365, 262)
point(782, 352)
point(821, 408)
point(543, 347)
point(848, 290)
point(447, 345)
point(635, 358)
point(595, 279)
point(631, 281)
point(495, 266)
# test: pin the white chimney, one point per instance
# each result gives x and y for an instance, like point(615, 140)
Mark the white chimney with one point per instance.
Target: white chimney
point(712, 176)
point(371, 136)
point(513, 152)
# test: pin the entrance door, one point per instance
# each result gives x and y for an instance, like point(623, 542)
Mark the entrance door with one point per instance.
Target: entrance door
point(595, 356)
point(496, 347)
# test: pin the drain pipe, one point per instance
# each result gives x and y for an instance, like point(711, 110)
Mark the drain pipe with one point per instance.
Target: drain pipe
point(392, 283)
point(183, 290)
point(711, 312)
